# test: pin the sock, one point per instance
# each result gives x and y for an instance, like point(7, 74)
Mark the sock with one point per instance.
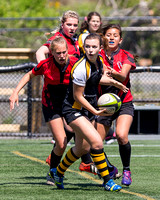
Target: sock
point(86, 158)
point(67, 161)
point(69, 135)
point(109, 165)
point(55, 160)
point(125, 153)
point(100, 162)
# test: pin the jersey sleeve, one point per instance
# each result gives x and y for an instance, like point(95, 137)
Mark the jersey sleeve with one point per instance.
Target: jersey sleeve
point(79, 76)
point(129, 59)
point(39, 69)
point(47, 44)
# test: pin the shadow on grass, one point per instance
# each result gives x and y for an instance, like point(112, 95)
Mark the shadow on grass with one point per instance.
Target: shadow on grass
point(80, 186)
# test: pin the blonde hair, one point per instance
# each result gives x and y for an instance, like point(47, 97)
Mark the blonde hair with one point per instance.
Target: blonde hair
point(65, 16)
point(69, 14)
point(57, 41)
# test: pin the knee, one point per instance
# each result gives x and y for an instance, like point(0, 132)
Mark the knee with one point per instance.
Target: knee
point(61, 147)
point(97, 145)
point(122, 139)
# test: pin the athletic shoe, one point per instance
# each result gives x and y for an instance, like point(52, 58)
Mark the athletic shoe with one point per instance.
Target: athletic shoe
point(53, 141)
point(114, 174)
point(126, 179)
point(110, 139)
point(48, 160)
point(50, 180)
point(112, 186)
point(57, 179)
point(91, 168)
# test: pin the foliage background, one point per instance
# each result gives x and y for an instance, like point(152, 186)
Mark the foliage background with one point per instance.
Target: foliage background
point(144, 43)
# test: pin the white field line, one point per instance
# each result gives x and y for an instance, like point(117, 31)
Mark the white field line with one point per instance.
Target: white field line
point(136, 156)
point(82, 174)
point(135, 145)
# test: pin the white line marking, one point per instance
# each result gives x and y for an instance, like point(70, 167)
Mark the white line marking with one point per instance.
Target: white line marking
point(137, 156)
point(135, 145)
point(80, 173)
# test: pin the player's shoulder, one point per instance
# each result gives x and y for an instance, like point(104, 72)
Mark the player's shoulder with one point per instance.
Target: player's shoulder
point(55, 35)
point(79, 65)
point(46, 61)
point(126, 52)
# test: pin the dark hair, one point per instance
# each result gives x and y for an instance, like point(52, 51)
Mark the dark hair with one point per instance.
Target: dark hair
point(87, 19)
point(106, 27)
point(93, 36)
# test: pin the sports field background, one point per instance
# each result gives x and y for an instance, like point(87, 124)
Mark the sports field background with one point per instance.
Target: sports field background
point(23, 172)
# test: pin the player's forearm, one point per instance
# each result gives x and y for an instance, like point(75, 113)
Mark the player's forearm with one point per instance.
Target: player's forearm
point(85, 104)
point(26, 78)
point(118, 76)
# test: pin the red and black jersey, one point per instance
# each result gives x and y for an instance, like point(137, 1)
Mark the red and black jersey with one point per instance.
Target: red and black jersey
point(118, 59)
point(73, 47)
point(56, 80)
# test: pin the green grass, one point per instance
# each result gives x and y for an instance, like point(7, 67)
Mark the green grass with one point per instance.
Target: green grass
point(25, 179)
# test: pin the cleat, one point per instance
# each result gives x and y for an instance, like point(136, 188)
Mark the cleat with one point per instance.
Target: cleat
point(91, 168)
point(50, 180)
point(53, 141)
point(110, 139)
point(126, 179)
point(48, 160)
point(112, 186)
point(57, 179)
point(114, 174)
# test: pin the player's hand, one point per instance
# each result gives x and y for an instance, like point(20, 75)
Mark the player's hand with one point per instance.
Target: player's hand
point(13, 99)
point(103, 113)
point(107, 70)
point(123, 87)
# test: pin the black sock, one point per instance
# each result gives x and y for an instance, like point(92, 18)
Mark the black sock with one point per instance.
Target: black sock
point(55, 160)
point(125, 153)
point(109, 165)
point(86, 158)
point(69, 135)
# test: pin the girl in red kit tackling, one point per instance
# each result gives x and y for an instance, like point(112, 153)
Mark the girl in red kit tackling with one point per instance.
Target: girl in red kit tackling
point(56, 72)
point(67, 30)
point(118, 63)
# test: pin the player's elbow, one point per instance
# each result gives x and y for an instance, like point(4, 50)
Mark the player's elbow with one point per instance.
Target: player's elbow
point(41, 53)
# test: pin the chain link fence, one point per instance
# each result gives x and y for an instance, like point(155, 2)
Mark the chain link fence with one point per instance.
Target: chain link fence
point(27, 118)
point(140, 36)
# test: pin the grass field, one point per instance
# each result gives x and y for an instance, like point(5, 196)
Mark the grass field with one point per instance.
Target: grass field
point(23, 173)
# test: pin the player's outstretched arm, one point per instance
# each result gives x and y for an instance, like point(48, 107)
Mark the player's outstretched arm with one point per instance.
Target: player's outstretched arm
point(106, 80)
point(14, 97)
point(120, 76)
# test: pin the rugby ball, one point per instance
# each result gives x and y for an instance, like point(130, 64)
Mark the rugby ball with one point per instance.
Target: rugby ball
point(109, 101)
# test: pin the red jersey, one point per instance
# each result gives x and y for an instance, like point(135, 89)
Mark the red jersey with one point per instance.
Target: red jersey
point(118, 59)
point(56, 80)
point(73, 47)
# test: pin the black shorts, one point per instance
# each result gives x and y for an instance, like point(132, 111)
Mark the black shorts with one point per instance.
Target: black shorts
point(50, 113)
point(126, 109)
point(71, 114)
